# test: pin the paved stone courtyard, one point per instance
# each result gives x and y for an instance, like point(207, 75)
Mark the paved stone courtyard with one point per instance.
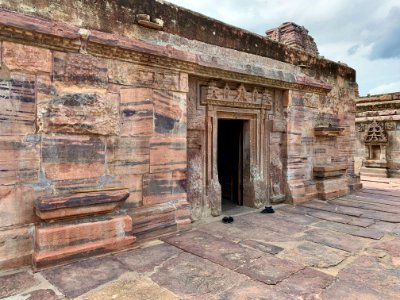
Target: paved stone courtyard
point(348, 248)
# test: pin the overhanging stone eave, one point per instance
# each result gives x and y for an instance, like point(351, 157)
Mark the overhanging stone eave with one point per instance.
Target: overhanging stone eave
point(59, 36)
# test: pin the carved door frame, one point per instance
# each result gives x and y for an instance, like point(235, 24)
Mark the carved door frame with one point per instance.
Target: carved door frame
point(254, 145)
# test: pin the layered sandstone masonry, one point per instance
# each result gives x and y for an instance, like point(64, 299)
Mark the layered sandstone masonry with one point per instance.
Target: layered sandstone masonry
point(79, 225)
point(378, 135)
point(127, 95)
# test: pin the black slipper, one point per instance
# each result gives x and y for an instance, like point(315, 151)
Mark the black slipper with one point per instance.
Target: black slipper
point(268, 210)
point(225, 220)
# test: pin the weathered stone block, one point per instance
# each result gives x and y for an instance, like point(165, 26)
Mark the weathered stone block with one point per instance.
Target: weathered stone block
point(134, 184)
point(167, 154)
point(73, 157)
point(44, 259)
point(153, 219)
point(170, 113)
point(79, 69)
point(163, 187)
point(81, 113)
point(279, 125)
point(45, 89)
point(182, 214)
point(136, 112)
point(128, 155)
point(332, 188)
point(16, 247)
point(326, 171)
point(16, 205)
point(17, 111)
point(140, 76)
point(58, 236)
point(19, 159)
point(61, 206)
point(26, 58)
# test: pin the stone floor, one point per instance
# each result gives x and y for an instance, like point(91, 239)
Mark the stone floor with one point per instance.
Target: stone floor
point(348, 248)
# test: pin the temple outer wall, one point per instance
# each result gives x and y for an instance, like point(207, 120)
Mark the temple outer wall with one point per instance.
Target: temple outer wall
point(93, 104)
point(384, 109)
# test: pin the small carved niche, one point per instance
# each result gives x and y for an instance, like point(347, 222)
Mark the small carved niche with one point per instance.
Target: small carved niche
point(375, 133)
point(375, 152)
point(376, 140)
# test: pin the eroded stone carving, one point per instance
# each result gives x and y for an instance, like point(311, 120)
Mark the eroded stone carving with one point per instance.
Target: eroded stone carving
point(239, 97)
point(81, 113)
point(375, 133)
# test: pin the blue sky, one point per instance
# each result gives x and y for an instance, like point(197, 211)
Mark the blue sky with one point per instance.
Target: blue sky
point(365, 34)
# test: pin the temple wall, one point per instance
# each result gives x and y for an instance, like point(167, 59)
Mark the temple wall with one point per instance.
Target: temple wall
point(383, 109)
point(100, 103)
point(72, 122)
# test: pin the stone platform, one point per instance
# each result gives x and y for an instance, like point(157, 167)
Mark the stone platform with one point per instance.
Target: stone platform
point(347, 248)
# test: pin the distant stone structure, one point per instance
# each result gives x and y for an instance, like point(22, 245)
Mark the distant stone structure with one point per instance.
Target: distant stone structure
point(125, 120)
point(378, 135)
point(294, 36)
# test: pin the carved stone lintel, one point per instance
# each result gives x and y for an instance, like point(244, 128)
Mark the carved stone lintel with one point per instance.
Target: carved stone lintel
point(240, 97)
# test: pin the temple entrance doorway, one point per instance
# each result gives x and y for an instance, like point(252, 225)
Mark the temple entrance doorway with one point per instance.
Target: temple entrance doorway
point(230, 162)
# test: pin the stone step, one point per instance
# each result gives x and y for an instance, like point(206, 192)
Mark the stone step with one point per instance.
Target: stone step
point(48, 258)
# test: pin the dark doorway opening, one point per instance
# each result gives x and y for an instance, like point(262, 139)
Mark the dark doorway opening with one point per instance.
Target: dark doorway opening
point(230, 162)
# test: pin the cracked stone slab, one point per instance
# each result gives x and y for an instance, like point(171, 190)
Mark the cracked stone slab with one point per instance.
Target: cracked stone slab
point(368, 277)
point(262, 246)
point(80, 277)
point(367, 206)
point(130, 286)
point(344, 290)
point(384, 226)
point(370, 233)
point(392, 248)
point(146, 259)
point(13, 284)
point(290, 216)
point(307, 283)
point(379, 199)
point(334, 239)
point(382, 216)
point(270, 223)
point(270, 269)
point(239, 231)
point(42, 294)
point(315, 255)
point(250, 290)
point(327, 206)
point(339, 218)
point(189, 276)
point(218, 250)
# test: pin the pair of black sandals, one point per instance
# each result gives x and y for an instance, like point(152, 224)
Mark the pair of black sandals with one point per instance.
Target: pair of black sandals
point(227, 220)
point(266, 210)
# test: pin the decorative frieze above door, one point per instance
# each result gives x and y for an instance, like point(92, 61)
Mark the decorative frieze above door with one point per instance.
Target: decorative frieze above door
point(240, 97)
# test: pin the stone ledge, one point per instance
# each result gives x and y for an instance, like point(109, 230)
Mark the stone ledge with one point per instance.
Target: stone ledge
point(61, 206)
point(328, 131)
point(329, 171)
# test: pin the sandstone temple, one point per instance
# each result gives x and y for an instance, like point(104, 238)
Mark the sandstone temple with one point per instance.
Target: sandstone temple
point(121, 121)
point(378, 136)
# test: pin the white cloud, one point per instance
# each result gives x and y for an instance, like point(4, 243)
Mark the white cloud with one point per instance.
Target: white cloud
point(364, 26)
point(386, 88)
